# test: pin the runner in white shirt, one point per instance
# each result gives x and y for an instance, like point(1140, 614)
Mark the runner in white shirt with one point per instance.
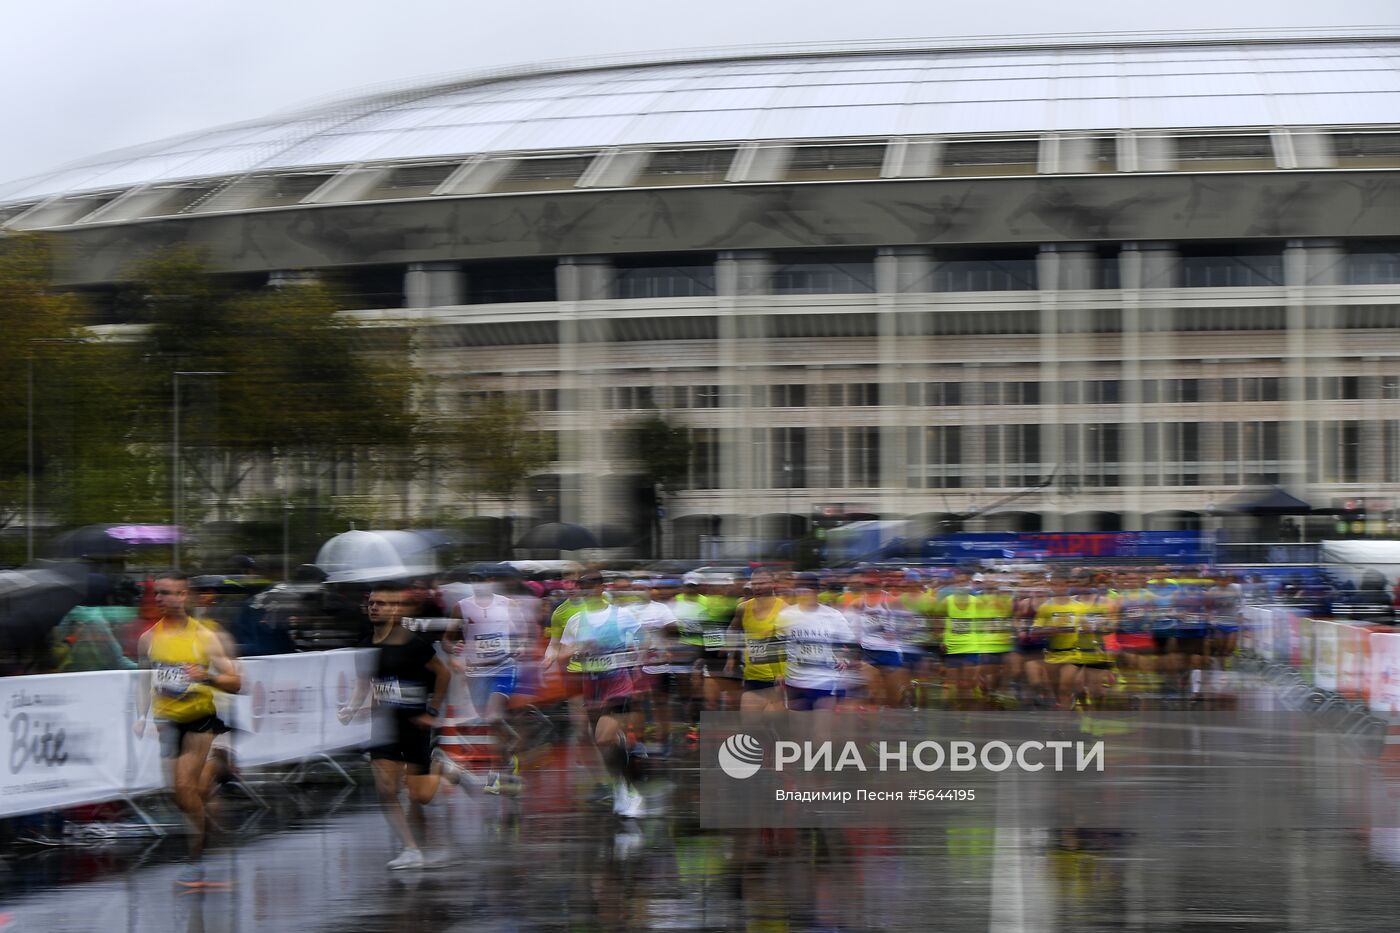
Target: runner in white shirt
point(660, 648)
point(817, 641)
point(494, 630)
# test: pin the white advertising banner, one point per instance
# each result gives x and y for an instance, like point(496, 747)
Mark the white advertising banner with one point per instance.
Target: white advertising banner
point(343, 669)
point(277, 715)
point(1354, 657)
point(1384, 698)
point(1326, 645)
point(66, 739)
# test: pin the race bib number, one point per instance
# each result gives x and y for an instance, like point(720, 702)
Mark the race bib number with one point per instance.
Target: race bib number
point(171, 681)
point(764, 652)
point(607, 663)
point(812, 653)
point(716, 639)
point(490, 646)
point(388, 691)
point(961, 627)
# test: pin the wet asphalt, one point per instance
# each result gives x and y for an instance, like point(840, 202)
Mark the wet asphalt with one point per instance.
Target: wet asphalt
point(314, 859)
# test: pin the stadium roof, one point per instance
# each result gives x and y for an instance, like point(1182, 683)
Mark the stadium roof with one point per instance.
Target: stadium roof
point(1057, 84)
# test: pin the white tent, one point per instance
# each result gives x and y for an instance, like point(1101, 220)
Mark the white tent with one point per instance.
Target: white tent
point(1352, 560)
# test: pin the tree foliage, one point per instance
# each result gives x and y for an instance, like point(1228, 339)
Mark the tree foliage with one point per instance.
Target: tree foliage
point(493, 446)
point(88, 464)
point(663, 450)
point(299, 385)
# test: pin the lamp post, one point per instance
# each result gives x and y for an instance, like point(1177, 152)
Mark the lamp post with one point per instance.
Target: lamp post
point(175, 456)
point(30, 456)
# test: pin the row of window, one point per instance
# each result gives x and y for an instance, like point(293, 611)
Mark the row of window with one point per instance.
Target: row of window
point(1017, 456)
point(768, 162)
point(960, 394)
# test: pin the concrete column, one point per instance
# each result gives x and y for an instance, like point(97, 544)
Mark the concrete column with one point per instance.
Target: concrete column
point(434, 285)
point(741, 273)
point(1310, 339)
point(895, 271)
point(1149, 265)
point(1067, 266)
point(584, 278)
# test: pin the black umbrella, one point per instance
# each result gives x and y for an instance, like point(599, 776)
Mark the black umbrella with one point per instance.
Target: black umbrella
point(557, 536)
point(563, 536)
point(32, 601)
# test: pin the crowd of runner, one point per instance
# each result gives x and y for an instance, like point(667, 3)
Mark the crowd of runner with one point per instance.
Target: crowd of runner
point(620, 667)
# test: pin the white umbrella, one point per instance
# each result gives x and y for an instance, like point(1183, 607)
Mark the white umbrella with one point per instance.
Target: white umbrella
point(371, 556)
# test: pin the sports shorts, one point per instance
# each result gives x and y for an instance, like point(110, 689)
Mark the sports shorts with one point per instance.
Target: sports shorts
point(172, 733)
point(397, 737)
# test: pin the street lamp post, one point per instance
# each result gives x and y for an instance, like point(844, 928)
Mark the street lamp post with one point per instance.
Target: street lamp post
point(29, 473)
point(30, 456)
point(175, 457)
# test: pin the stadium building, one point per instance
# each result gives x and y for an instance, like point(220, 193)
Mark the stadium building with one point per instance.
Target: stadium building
point(1060, 285)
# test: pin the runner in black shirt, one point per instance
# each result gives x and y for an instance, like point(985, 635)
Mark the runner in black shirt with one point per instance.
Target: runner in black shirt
point(408, 687)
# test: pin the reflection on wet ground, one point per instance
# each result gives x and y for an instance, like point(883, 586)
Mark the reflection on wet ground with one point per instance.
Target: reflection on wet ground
point(315, 861)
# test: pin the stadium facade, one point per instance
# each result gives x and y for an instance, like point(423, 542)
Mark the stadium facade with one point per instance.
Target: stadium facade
point(1078, 285)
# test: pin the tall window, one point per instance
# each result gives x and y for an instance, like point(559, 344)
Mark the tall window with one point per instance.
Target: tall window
point(1334, 451)
point(1091, 454)
point(1171, 454)
point(787, 462)
point(704, 458)
point(935, 457)
point(1011, 453)
point(853, 457)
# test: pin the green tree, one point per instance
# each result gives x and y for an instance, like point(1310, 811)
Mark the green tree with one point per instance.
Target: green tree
point(88, 463)
point(488, 448)
point(663, 451)
point(302, 388)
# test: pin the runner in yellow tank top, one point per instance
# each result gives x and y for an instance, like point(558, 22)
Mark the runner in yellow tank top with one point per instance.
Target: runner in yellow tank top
point(188, 663)
point(755, 622)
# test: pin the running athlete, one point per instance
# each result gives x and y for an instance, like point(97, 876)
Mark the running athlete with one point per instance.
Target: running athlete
point(408, 687)
point(719, 601)
point(890, 630)
point(960, 612)
point(188, 663)
point(817, 643)
point(690, 628)
point(662, 673)
point(1074, 658)
point(994, 637)
point(755, 625)
point(605, 638)
point(485, 649)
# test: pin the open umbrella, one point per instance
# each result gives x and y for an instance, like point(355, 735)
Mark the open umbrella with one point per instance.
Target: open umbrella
point(32, 601)
point(557, 536)
point(99, 541)
point(375, 556)
point(563, 536)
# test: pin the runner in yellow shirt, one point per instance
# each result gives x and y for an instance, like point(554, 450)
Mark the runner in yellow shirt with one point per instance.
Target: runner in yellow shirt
point(187, 664)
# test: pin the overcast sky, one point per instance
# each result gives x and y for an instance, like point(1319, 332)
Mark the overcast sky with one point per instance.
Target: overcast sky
point(85, 76)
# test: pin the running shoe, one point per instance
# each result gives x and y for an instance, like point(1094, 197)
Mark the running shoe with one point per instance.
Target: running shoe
point(408, 858)
point(191, 876)
point(628, 802)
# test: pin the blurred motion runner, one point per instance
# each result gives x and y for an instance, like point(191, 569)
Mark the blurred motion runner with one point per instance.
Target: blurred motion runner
point(188, 662)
